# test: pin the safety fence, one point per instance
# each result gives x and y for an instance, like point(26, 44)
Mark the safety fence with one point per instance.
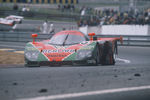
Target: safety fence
point(128, 40)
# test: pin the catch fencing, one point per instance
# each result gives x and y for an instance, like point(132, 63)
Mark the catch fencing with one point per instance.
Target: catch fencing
point(128, 40)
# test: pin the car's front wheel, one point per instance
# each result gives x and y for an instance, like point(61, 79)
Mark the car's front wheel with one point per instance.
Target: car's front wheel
point(27, 64)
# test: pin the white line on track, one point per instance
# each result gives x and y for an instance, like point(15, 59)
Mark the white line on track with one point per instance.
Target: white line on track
point(90, 93)
point(123, 60)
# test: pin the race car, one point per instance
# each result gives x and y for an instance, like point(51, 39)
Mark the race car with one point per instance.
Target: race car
point(11, 20)
point(16, 19)
point(4, 21)
point(71, 47)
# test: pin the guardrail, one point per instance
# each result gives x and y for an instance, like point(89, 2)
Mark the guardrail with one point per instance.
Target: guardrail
point(132, 40)
point(129, 40)
point(21, 36)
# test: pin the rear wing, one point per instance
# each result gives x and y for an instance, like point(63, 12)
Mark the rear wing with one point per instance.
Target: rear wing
point(112, 39)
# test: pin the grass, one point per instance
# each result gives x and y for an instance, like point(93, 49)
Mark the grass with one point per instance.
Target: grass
point(11, 58)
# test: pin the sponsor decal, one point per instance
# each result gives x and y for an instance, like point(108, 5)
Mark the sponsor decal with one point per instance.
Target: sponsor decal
point(59, 51)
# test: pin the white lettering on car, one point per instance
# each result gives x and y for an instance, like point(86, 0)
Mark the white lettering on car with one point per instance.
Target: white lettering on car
point(59, 51)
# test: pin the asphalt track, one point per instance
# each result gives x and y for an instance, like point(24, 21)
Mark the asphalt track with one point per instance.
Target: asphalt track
point(129, 79)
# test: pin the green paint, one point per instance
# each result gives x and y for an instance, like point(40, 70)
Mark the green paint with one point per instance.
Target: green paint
point(71, 57)
point(41, 56)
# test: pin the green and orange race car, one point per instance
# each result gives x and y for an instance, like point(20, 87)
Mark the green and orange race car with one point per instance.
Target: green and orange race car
point(73, 48)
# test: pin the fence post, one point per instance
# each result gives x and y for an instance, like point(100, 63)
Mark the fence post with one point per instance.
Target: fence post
point(128, 40)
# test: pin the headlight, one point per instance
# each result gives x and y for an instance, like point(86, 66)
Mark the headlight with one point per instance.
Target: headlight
point(31, 55)
point(81, 54)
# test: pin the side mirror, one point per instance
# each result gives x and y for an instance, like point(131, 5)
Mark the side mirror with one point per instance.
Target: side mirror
point(91, 35)
point(34, 36)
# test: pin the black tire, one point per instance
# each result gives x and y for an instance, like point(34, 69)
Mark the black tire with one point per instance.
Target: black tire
point(13, 23)
point(20, 22)
point(26, 65)
point(31, 65)
point(107, 55)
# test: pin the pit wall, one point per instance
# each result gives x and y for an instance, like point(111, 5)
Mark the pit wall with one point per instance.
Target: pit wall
point(117, 30)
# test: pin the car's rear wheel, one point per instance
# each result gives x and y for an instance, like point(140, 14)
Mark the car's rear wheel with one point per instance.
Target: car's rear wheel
point(27, 65)
point(108, 55)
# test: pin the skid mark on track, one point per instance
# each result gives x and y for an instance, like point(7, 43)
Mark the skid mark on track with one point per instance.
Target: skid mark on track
point(89, 93)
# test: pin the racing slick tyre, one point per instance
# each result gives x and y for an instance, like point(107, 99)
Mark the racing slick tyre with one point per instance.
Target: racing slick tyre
point(20, 22)
point(26, 65)
point(108, 57)
point(31, 65)
point(13, 23)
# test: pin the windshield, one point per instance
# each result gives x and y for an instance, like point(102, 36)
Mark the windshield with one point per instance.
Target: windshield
point(67, 39)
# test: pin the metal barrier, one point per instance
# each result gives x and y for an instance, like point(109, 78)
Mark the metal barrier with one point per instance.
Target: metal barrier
point(129, 40)
point(21, 36)
point(132, 40)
